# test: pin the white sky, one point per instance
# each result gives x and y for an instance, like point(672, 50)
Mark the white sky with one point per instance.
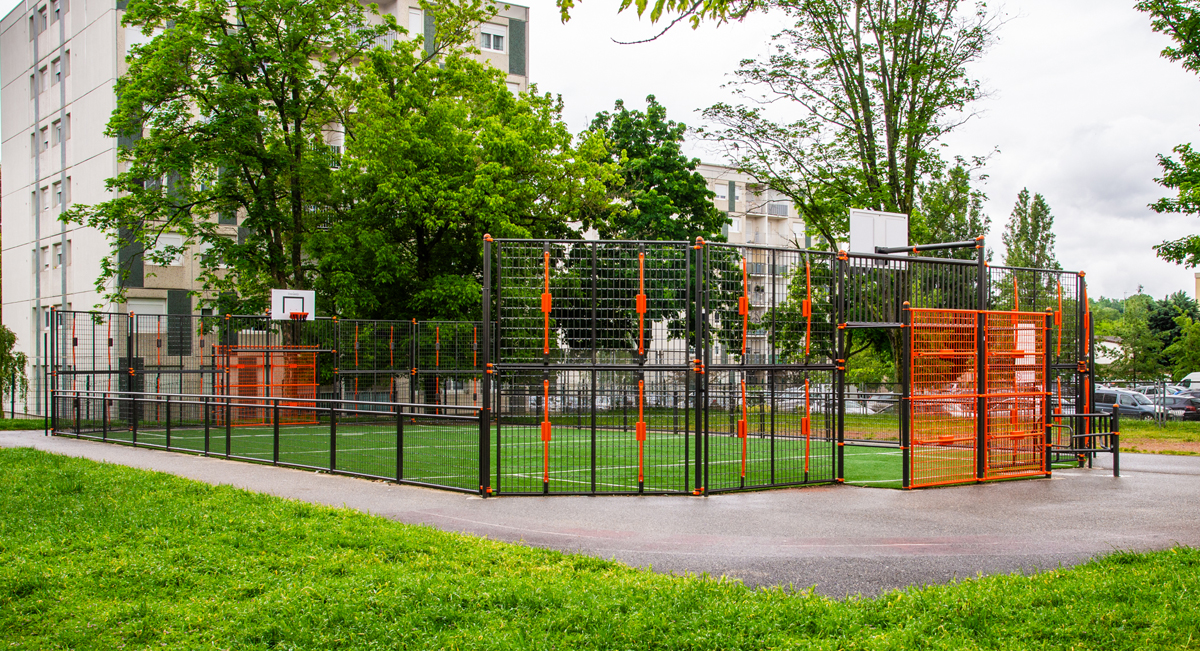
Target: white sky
point(1080, 105)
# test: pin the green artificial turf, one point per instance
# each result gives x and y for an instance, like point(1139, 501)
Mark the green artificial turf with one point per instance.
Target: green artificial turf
point(97, 556)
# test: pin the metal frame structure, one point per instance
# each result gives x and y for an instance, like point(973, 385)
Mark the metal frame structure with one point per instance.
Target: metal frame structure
point(623, 367)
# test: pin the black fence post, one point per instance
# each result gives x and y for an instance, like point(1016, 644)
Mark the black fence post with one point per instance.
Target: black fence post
point(906, 360)
point(133, 417)
point(104, 418)
point(698, 367)
point(981, 300)
point(485, 402)
point(275, 430)
point(228, 422)
point(1115, 441)
point(167, 420)
point(204, 405)
point(839, 373)
point(332, 435)
point(399, 442)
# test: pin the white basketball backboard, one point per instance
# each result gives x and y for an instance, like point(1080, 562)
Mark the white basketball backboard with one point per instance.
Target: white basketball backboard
point(871, 228)
point(286, 301)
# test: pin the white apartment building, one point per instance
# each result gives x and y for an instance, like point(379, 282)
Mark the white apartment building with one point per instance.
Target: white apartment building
point(59, 63)
point(757, 215)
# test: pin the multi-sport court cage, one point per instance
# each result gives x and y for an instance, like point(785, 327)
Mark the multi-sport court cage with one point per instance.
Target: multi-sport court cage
point(615, 367)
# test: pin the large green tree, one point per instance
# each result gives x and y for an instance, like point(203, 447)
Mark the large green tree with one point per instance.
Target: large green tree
point(660, 195)
point(1180, 20)
point(223, 117)
point(1139, 353)
point(435, 157)
point(1029, 235)
point(877, 84)
point(949, 210)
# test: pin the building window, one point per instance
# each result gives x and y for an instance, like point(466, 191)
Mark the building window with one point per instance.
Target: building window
point(45, 198)
point(56, 132)
point(33, 145)
point(492, 37)
point(55, 71)
point(721, 191)
point(735, 225)
point(43, 78)
point(57, 194)
point(32, 29)
point(416, 24)
point(45, 258)
point(67, 128)
point(33, 206)
point(44, 141)
point(41, 20)
point(165, 240)
point(513, 87)
point(57, 255)
point(778, 209)
point(54, 12)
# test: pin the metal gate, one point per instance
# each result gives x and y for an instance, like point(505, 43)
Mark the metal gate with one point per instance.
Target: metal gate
point(975, 396)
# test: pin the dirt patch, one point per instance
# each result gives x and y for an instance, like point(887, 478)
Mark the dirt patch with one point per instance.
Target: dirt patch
point(1130, 444)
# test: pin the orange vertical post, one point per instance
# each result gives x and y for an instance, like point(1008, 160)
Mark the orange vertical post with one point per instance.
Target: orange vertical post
point(1058, 317)
point(807, 307)
point(546, 305)
point(641, 303)
point(744, 306)
point(641, 432)
point(546, 433)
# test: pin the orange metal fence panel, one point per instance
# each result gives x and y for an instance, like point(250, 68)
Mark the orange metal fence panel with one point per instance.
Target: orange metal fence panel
point(942, 434)
point(253, 373)
point(1015, 430)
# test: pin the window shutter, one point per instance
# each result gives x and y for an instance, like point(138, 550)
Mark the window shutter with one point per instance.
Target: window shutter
point(732, 196)
point(430, 34)
point(516, 47)
point(129, 260)
point(179, 321)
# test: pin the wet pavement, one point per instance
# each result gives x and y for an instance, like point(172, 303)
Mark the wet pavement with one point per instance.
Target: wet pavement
point(841, 539)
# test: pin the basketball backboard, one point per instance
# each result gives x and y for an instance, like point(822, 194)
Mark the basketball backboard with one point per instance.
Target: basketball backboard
point(284, 302)
point(871, 228)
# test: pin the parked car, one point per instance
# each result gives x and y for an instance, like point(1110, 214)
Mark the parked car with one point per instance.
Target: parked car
point(1130, 403)
point(1151, 390)
point(1191, 380)
point(1183, 407)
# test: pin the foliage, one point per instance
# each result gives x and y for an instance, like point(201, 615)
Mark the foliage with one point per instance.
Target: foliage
point(437, 156)
point(949, 210)
point(877, 84)
point(13, 368)
point(1029, 235)
point(1184, 352)
point(1180, 20)
point(103, 556)
point(1182, 175)
point(693, 11)
point(1139, 355)
point(222, 119)
point(660, 196)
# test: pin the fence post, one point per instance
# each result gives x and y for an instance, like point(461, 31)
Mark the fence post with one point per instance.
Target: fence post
point(104, 418)
point(1047, 403)
point(399, 442)
point(133, 417)
point(228, 420)
point(839, 373)
point(698, 368)
point(332, 435)
point(485, 394)
point(168, 420)
point(1115, 442)
point(275, 430)
point(204, 406)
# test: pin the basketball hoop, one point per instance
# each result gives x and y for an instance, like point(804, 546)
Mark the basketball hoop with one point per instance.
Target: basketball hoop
point(298, 316)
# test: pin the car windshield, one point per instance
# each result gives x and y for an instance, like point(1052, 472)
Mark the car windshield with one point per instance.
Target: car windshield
point(1140, 399)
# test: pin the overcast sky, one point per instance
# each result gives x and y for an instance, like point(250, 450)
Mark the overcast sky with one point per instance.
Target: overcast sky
point(1080, 103)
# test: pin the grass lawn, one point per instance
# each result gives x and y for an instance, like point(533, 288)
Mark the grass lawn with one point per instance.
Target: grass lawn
point(7, 424)
point(1177, 437)
point(96, 556)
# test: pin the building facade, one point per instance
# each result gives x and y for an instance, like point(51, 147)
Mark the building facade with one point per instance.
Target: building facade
point(757, 215)
point(59, 63)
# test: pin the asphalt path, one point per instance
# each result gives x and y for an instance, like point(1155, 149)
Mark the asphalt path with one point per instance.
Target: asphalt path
point(844, 540)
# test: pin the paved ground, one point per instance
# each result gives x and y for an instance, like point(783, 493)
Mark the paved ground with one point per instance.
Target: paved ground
point(843, 539)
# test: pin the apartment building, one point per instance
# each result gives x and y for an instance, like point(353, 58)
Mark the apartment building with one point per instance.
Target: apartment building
point(762, 217)
point(59, 63)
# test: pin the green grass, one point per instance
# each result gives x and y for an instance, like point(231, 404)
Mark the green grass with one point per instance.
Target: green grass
point(1177, 437)
point(8, 424)
point(97, 556)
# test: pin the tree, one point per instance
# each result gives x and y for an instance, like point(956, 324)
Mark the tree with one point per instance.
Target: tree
point(1138, 356)
point(1029, 236)
point(660, 195)
point(223, 118)
point(1185, 352)
point(1163, 318)
point(13, 364)
point(949, 210)
point(877, 84)
point(437, 156)
point(1180, 20)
